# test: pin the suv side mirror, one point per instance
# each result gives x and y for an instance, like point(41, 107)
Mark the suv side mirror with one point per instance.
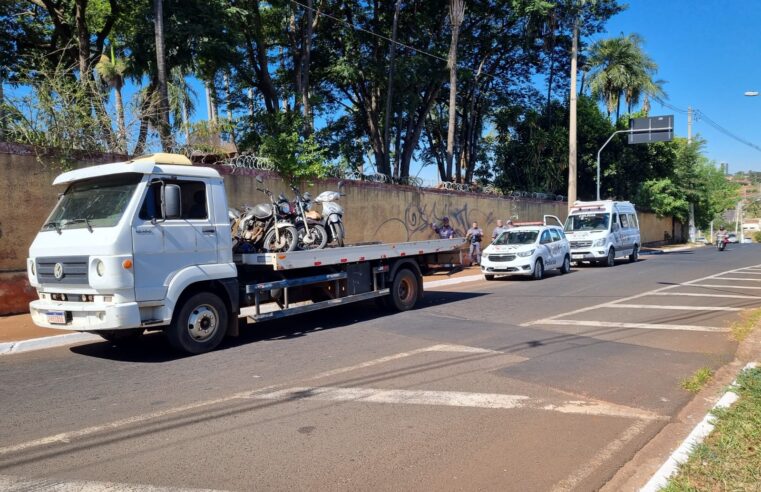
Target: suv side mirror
point(171, 201)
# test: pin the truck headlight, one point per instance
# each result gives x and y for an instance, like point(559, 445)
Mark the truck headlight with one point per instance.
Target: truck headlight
point(100, 267)
point(600, 242)
point(526, 253)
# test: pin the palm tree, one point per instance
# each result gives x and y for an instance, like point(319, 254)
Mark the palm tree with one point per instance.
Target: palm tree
point(112, 70)
point(619, 68)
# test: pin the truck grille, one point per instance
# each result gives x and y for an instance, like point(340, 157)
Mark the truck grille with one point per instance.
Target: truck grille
point(74, 269)
point(501, 257)
point(581, 244)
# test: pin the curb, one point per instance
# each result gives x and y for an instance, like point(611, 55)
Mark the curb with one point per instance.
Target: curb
point(45, 342)
point(8, 348)
point(696, 436)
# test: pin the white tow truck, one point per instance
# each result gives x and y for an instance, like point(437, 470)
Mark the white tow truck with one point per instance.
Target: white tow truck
point(146, 245)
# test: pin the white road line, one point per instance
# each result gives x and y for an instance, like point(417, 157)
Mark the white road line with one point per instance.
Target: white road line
point(66, 437)
point(737, 278)
point(599, 459)
point(432, 284)
point(699, 294)
point(754, 272)
point(617, 324)
point(12, 484)
point(456, 399)
point(676, 308)
point(715, 286)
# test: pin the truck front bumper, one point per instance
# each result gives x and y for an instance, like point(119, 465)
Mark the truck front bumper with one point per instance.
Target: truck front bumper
point(84, 316)
point(589, 254)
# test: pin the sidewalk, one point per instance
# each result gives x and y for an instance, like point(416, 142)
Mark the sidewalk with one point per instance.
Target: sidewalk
point(16, 328)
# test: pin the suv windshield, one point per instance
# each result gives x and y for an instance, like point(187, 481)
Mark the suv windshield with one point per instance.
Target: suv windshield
point(516, 237)
point(587, 222)
point(97, 202)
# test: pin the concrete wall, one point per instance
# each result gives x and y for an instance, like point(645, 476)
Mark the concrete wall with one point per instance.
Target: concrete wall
point(373, 211)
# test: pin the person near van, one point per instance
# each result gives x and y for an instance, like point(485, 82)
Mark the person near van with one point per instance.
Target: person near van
point(474, 236)
point(445, 231)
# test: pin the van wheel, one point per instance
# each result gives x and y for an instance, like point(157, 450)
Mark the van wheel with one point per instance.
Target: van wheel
point(566, 268)
point(635, 254)
point(489, 276)
point(538, 270)
point(405, 290)
point(122, 338)
point(611, 260)
point(199, 324)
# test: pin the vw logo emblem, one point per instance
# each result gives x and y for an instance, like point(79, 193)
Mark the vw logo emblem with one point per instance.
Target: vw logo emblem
point(58, 271)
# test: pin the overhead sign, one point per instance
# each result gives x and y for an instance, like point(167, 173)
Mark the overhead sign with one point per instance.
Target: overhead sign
point(651, 129)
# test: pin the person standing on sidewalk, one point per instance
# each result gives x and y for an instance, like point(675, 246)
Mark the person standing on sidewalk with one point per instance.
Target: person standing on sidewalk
point(445, 230)
point(498, 230)
point(474, 237)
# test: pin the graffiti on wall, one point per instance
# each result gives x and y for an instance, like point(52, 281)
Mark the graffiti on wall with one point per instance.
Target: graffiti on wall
point(418, 220)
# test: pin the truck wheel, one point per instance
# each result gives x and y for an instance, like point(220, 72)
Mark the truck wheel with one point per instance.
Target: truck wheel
point(405, 290)
point(566, 268)
point(611, 260)
point(489, 276)
point(122, 337)
point(635, 254)
point(199, 325)
point(538, 270)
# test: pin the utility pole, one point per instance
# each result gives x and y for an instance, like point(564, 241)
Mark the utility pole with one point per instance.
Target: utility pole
point(691, 219)
point(572, 117)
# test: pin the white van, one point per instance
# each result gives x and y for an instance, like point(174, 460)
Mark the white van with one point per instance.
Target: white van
point(601, 231)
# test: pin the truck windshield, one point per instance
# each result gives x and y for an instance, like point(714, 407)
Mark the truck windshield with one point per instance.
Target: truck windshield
point(516, 237)
point(587, 222)
point(97, 202)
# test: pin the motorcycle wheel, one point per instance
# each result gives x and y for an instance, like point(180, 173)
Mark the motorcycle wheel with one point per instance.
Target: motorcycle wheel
point(319, 235)
point(289, 239)
point(338, 233)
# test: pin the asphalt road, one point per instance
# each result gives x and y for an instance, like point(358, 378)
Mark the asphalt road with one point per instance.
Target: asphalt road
point(503, 385)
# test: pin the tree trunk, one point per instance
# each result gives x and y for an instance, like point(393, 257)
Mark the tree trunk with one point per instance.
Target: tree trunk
point(305, 59)
point(2, 112)
point(456, 13)
point(390, 86)
point(120, 125)
point(142, 135)
point(161, 73)
point(83, 41)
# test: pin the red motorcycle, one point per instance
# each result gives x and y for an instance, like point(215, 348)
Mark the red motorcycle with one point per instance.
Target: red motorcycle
point(721, 241)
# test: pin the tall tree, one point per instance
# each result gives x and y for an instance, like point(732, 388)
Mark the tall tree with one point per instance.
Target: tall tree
point(161, 76)
point(111, 70)
point(456, 14)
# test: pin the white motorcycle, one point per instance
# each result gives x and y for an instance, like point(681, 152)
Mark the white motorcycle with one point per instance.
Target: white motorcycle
point(332, 215)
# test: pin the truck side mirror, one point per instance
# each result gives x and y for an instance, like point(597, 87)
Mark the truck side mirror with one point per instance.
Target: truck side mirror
point(171, 201)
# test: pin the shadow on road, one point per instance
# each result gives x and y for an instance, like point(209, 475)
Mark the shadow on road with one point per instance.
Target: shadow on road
point(153, 347)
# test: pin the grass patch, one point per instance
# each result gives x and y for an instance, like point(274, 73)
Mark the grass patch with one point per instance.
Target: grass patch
point(748, 321)
point(730, 457)
point(694, 383)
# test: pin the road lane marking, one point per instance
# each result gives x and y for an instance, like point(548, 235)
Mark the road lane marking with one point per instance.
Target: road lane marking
point(10, 483)
point(66, 437)
point(617, 324)
point(456, 399)
point(602, 456)
point(702, 294)
point(676, 308)
point(738, 278)
point(730, 286)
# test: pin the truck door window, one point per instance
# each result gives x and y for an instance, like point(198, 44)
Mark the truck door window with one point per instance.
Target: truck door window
point(193, 196)
point(625, 221)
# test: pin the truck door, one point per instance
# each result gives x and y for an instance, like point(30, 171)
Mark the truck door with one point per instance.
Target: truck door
point(162, 247)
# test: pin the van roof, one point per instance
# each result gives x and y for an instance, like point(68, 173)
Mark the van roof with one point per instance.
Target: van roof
point(600, 205)
point(169, 164)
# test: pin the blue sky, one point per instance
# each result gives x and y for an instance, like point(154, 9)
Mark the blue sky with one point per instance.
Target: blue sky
point(709, 52)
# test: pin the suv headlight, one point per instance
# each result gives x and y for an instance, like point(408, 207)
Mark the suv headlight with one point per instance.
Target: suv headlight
point(526, 253)
point(600, 242)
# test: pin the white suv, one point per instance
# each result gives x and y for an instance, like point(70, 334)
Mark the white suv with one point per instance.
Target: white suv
point(527, 250)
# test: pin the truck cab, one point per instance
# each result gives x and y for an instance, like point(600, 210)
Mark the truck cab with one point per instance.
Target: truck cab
point(601, 231)
point(124, 240)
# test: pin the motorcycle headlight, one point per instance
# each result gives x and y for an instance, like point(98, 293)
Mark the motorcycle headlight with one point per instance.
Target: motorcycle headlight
point(100, 268)
point(600, 242)
point(525, 253)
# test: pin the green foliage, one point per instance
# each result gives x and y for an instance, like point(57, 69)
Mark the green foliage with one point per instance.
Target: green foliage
point(294, 156)
point(757, 236)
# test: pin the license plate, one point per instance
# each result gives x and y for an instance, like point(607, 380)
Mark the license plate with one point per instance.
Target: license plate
point(577, 257)
point(56, 317)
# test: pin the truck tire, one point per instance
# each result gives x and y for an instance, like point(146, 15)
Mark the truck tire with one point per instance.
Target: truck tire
point(122, 338)
point(489, 276)
point(405, 290)
point(199, 324)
